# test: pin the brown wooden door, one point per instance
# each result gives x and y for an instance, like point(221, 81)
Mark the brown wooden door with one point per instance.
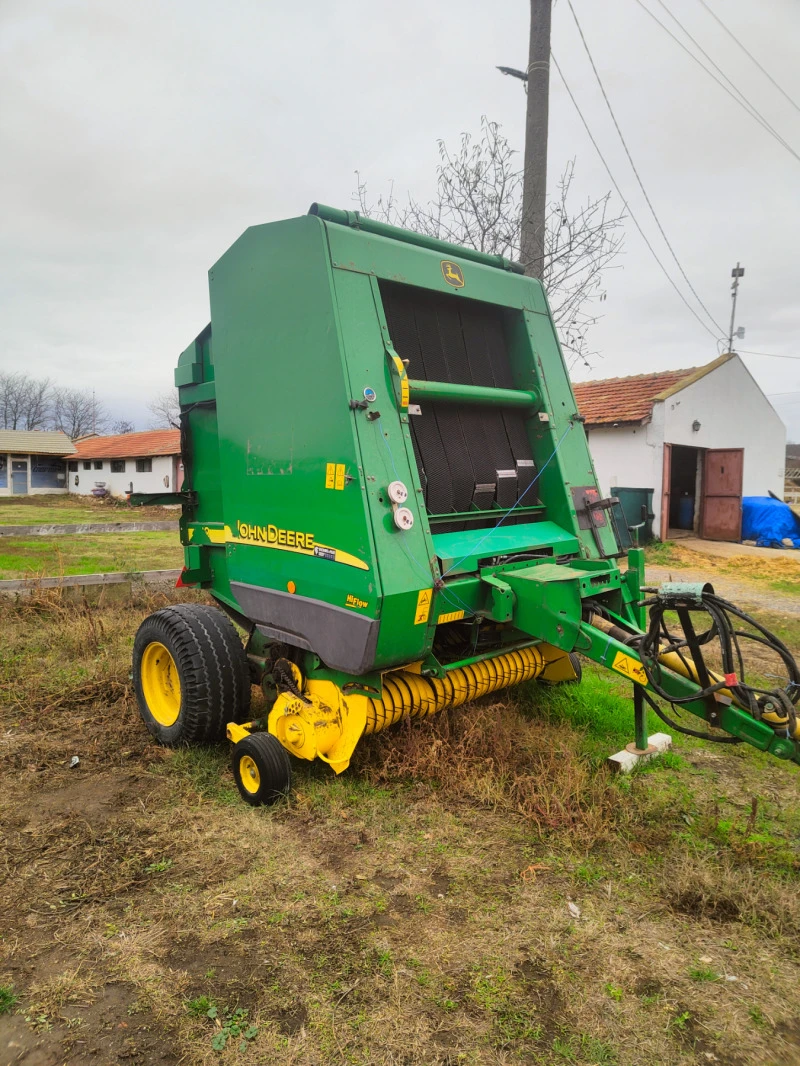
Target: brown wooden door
point(721, 515)
point(666, 477)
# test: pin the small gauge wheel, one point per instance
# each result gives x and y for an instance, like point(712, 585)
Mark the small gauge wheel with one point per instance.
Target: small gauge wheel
point(261, 769)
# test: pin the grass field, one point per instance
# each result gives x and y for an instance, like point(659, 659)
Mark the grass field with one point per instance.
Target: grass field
point(74, 510)
point(778, 573)
point(102, 553)
point(475, 889)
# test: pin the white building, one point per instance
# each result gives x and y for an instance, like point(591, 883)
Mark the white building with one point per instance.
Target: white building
point(32, 461)
point(130, 462)
point(700, 439)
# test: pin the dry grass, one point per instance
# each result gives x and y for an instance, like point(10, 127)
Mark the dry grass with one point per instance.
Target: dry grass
point(475, 890)
point(491, 758)
point(779, 571)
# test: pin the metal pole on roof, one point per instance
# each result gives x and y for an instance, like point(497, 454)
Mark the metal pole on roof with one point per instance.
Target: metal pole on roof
point(736, 273)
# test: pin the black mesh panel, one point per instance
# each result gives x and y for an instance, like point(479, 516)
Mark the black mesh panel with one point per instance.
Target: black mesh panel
point(462, 450)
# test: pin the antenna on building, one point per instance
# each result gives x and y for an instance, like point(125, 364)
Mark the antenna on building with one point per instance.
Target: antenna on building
point(736, 273)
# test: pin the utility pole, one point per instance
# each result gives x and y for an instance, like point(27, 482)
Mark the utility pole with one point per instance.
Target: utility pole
point(736, 273)
point(534, 188)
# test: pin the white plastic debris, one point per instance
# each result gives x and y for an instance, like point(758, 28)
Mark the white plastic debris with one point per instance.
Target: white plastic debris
point(73, 762)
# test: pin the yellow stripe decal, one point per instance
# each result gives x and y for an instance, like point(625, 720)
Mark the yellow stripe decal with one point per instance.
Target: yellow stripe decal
point(451, 616)
point(319, 551)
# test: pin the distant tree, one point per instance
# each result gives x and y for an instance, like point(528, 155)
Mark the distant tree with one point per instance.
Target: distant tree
point(478, 203)
point(122, 426)
point(25, 402)
point(77, 413)
point(166, 410)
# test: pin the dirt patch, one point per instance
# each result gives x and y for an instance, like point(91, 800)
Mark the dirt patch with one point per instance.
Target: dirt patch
point(112, 1029)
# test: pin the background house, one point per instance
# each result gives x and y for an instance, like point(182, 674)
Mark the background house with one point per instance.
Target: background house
point(699, 438)
point(32, 461)
point(132, 462)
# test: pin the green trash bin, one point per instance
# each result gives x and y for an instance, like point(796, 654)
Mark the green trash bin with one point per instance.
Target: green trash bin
point(637, 507)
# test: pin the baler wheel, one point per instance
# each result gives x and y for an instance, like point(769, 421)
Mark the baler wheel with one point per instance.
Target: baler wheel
point(261, 769)
point(190, 674)
point(575, 659)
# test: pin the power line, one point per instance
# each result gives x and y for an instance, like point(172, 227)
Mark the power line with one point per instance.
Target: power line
point(625, 202)
point(740, 101)
point(767, 125)
point(770, 355)
point(750, 55)
point(636, 172)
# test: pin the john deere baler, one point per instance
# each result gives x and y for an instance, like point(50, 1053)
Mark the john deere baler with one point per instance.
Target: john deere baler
point(388, 488)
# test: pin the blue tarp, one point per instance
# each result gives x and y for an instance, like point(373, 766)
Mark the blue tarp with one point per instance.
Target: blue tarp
point(768, 522)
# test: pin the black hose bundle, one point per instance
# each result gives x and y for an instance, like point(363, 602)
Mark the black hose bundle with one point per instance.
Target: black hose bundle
point(775, 707)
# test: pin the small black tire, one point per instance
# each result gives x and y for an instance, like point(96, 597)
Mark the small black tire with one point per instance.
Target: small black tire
point(190, 674)
point(577, 666)
point(261, 769)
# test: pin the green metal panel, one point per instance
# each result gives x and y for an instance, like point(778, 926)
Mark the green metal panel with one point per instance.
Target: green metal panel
point(459, 553)
point(290, 464)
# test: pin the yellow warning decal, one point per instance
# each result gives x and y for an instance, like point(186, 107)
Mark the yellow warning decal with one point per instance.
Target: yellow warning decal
point(451, 616)
point(629, 667)
point(334, 476)
point(424, 600)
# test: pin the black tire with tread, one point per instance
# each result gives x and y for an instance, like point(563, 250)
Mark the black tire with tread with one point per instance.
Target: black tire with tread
point(577, 666)
point(274, 768)
point(212, 667)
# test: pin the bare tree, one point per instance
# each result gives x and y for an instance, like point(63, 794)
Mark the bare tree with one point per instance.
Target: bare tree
point(166, 410)
point(77, 412)
point(24, 401)
point(122, 426)
point(478, 203)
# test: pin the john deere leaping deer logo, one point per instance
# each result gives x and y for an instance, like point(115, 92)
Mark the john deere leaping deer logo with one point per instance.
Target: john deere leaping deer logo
point(453, 274)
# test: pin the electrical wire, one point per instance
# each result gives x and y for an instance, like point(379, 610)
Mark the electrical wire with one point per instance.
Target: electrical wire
point(722, 73)
point(625, 203)
point(636, 171)
point(740, 99)
point(750, 55)
point(769, 355)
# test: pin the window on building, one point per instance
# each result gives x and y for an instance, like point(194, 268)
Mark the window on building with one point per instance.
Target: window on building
point(3, 472)
point(117, 466)
point(144, 466)
point(87, 465)
point(48, 472)
point(98, 464)
point(73, 466)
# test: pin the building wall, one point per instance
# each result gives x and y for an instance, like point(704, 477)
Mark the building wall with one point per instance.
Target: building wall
point(40, 482)
point(630, 457)
point(733, 413)
point(160, 479)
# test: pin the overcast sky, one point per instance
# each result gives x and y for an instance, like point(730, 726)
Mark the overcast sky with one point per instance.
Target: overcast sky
point(138, 140)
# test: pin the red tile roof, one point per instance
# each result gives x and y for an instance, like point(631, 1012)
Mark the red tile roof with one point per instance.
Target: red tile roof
point(620, 400)
point(129, 445)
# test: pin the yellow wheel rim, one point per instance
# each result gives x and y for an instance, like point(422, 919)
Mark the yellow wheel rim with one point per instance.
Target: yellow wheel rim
point(248, 772)
point(161, 684)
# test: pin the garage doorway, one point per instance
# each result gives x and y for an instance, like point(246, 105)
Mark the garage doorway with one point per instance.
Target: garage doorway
point(684, 490)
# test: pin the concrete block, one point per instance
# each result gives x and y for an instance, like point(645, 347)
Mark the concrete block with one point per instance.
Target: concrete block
point(624, 761)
